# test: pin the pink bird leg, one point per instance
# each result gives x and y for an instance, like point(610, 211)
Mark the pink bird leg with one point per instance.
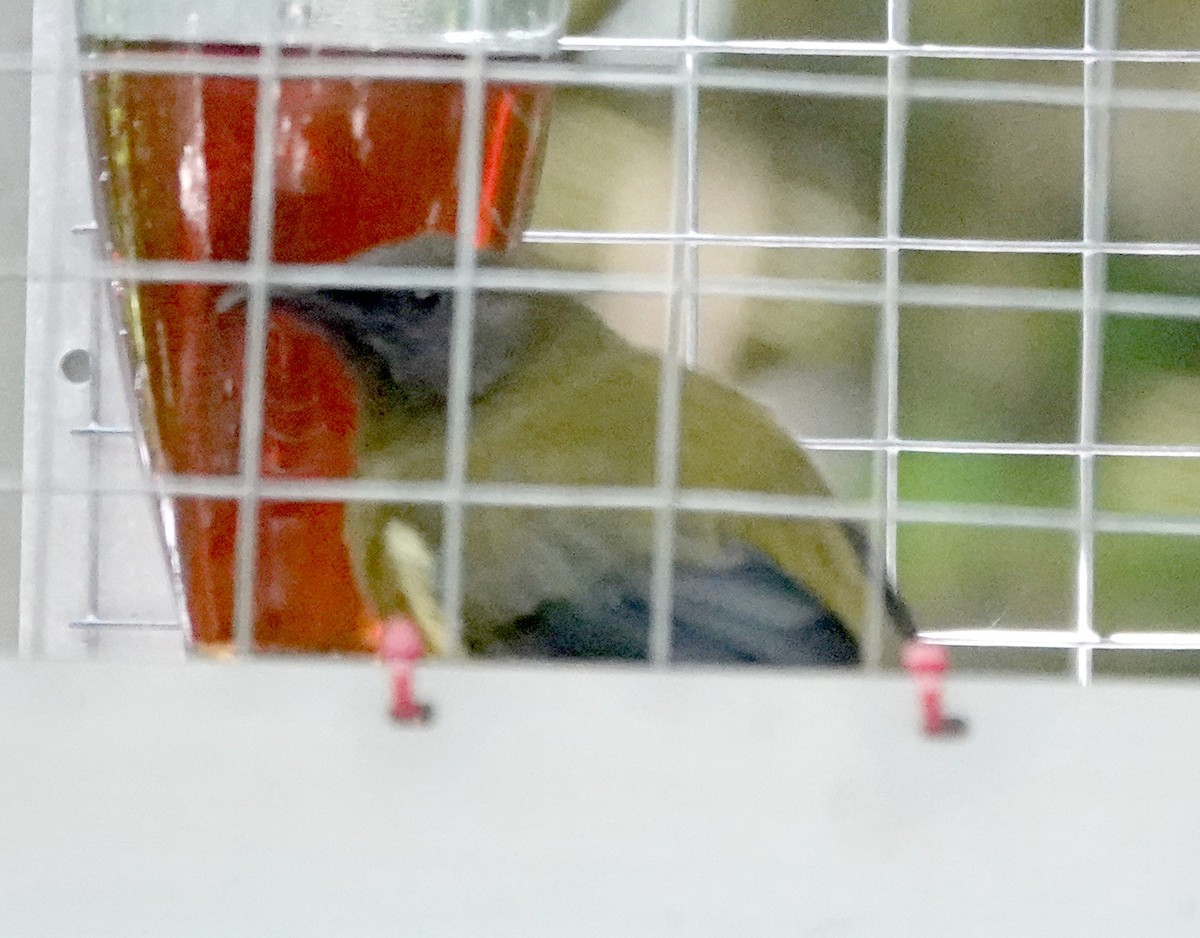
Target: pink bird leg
point(929, 664)
point(400, 646)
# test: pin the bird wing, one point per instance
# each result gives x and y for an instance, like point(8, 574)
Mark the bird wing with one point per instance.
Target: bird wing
point(747, 612)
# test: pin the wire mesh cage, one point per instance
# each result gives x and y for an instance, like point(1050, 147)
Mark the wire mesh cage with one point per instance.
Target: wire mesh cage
point(968, 224)
point(948, 247)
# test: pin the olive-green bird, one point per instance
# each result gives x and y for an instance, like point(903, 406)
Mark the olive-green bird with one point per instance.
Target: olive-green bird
point(560, 399)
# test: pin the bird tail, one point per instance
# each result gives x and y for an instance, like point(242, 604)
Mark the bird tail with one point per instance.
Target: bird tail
point(897, 610)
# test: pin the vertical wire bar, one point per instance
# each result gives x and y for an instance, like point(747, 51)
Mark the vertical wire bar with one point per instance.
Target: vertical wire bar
point(1100, 27)
point(37, 503)
point(262, 209)
point(887, 367)
point(682, 311)
point(458, 399)
point(687, 144)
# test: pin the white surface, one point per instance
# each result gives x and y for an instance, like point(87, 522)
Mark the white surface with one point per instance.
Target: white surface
point(275, 799)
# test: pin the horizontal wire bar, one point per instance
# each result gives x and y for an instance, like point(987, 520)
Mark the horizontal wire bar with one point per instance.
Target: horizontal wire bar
point(564, 281)
point(1158, 525)
point(633, 498)
point(951, 296)
point(93, 622)
point(899, 445)
point(224, 273)
point(854, 48)
point(1062, 639)
point(1031, 637)
point(401, 64)
point(846, 292)
point(1043, 299)
point(664, 78)
point(833, 85)
point(824, 48)
point(1005, 448)
point(96, 429)
point(358, 489)
point(975, 91)
point(874, 243)
point(1183, 641)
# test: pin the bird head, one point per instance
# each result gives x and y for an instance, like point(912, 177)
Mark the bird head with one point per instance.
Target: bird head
point(404, 337)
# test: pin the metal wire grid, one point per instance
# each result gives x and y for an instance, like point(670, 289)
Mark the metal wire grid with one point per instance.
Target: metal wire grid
point(678, 65)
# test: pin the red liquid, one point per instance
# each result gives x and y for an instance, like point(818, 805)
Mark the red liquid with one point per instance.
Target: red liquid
point(358, 162)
